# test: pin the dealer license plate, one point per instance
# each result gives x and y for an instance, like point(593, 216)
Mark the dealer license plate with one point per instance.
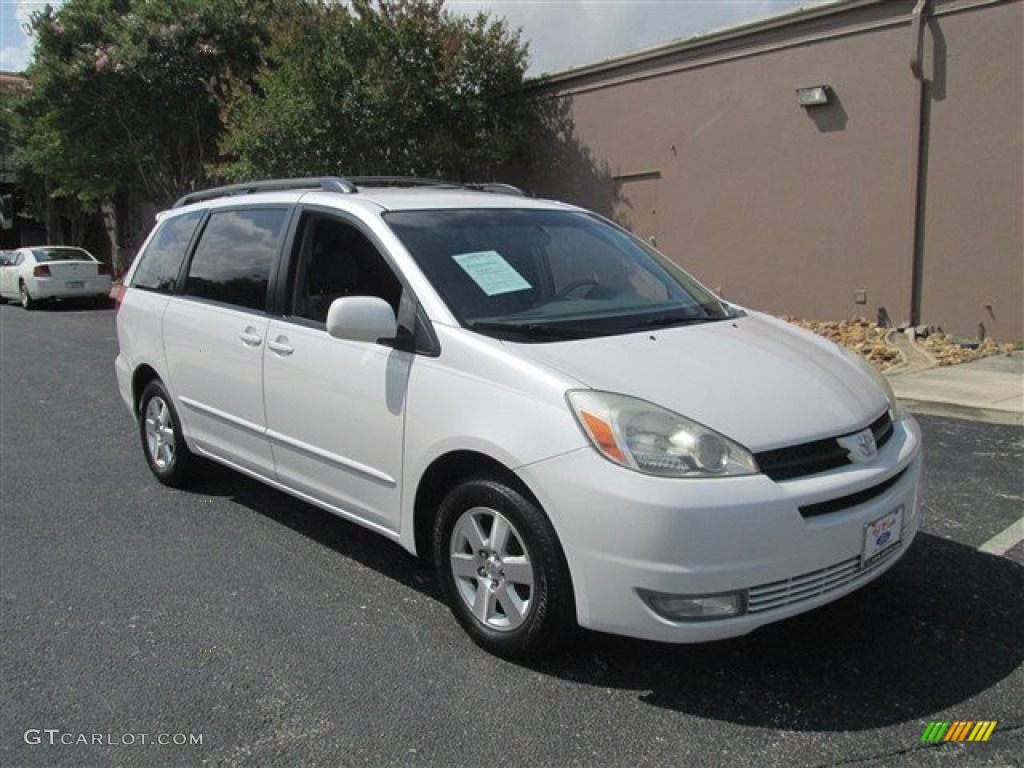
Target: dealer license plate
point(881, 535)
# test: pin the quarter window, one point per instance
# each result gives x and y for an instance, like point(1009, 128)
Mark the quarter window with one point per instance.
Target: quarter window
point(234, 257)
point(160, 263)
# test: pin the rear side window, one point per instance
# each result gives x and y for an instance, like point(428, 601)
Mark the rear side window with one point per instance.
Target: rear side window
point(235, 254)
point(160, 263)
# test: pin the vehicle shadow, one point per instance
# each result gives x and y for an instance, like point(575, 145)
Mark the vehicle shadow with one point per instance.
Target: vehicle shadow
point(941, 627)
point(70, 306)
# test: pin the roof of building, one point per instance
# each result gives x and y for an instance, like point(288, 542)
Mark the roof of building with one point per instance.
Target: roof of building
point(704, 39)
point(13, 81)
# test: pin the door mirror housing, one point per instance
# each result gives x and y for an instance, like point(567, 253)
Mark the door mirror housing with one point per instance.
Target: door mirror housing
point(361, 318)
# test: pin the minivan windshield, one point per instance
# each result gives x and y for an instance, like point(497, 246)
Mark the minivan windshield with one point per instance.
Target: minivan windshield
point(543, 275)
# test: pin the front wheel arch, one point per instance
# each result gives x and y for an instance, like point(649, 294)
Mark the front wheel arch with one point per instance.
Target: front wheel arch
point(444, 474)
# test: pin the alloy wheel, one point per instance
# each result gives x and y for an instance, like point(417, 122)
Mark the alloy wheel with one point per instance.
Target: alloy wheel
point(159, 433)
point(492, 569)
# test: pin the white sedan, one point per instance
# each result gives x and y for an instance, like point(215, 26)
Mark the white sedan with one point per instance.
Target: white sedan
point(31, 275)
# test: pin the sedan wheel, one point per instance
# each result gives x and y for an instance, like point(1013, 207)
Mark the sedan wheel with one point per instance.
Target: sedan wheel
point(26, 300)
point(503, 569)
point(168, 456)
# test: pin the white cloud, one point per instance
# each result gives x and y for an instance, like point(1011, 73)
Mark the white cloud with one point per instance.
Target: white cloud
point(566, 33)
point(14, 58)
point(23, 11)
point(17, 45)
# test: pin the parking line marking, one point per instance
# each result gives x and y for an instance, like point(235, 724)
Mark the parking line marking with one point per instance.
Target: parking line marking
point(1004, 541)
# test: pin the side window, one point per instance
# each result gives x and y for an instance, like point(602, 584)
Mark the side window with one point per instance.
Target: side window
point(335, 259)
point(160, 263)
point(235, 254)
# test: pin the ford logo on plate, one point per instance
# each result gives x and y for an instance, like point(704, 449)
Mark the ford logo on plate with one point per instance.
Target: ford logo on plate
point(883, 538)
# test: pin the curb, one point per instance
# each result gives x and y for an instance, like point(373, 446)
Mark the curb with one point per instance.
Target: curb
point(965, 412)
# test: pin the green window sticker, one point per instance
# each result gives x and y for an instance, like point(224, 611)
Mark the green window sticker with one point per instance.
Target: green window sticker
point(490, 271)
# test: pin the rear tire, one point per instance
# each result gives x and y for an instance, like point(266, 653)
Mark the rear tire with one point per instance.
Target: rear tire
point(26, 299)
point(503, 570)
point(169, 458)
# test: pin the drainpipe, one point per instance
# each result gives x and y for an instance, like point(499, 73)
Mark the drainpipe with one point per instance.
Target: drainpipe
point(920, 164)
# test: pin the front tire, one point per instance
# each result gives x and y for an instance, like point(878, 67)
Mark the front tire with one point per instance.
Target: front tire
point(169, 458)
point(503, 571)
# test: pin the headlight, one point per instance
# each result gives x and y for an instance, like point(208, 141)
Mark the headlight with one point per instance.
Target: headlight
point(896, 410)
point(641, 436)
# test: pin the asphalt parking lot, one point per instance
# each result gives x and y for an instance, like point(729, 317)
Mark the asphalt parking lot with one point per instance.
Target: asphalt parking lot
point(280, 635)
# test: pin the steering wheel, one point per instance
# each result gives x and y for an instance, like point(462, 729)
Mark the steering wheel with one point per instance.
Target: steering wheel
point(570, 287)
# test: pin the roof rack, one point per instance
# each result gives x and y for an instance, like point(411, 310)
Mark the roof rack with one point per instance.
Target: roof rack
point(326, 183)
point(342, 185)
point(399, 181)
point(497, 187)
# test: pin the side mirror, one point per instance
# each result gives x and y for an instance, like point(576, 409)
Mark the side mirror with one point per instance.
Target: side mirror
point(361, 318)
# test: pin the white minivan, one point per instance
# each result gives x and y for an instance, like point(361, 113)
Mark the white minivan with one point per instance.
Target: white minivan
point(574, 430)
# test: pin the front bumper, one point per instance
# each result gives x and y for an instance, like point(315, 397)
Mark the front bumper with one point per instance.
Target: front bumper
point(625, 533)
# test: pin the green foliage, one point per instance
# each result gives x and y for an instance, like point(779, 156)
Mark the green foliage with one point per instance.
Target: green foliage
point(128, 93)
point(398, 87)
point(157, 99)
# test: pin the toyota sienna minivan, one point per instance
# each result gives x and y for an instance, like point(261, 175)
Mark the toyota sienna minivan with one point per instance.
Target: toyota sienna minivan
point(574, 430)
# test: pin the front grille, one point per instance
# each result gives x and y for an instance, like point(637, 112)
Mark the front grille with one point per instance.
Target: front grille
point(817, 456)
point(779, 594)
point(852, 500)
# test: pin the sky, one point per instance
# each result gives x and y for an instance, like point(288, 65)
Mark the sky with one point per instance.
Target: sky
point(561, 33)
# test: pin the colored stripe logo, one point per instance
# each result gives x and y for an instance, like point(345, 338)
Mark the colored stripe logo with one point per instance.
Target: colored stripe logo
point(959, 730)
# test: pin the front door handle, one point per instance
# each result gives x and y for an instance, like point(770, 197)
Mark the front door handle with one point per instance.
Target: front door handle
point(250, 337)
point(280, 346)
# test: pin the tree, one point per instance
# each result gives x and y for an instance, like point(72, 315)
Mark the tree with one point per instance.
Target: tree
point(400, 87)
point(128, 93)
point(126, 100)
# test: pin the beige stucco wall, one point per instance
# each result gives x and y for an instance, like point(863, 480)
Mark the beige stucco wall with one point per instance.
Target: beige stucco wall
point(804, 211)
point(973, 236)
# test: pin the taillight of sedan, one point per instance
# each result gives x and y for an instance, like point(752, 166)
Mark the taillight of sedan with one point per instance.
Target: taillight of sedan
point(43, 270)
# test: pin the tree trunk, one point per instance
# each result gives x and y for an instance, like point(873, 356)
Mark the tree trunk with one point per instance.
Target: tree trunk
point(77, 226)
point(54, 232)
point(110, 223)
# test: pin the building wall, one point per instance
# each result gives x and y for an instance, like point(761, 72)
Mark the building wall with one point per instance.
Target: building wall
point(811, 211)
point(973, 235)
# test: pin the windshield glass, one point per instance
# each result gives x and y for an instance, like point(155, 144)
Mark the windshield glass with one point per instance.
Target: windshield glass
point(540, 275)
point(61, 254)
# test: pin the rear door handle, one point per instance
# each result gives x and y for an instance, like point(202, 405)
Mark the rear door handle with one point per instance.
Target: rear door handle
point(250, 337)
point(280, 346)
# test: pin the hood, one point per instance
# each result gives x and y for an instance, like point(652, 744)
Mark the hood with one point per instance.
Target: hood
point(755, 379)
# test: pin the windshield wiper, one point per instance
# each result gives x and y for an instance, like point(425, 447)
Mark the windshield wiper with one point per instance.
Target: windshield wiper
point(534, 330)
point(675, 320)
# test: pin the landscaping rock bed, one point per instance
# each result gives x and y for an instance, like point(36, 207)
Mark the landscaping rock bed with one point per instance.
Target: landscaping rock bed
point(869, 339)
